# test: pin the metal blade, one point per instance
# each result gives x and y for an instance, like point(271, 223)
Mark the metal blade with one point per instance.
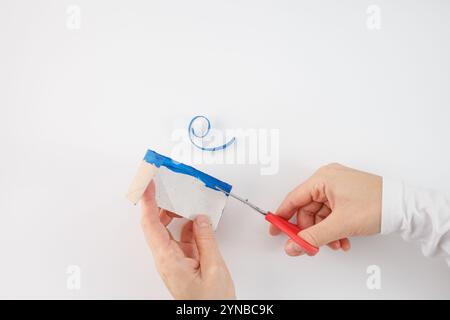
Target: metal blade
point(251, 205)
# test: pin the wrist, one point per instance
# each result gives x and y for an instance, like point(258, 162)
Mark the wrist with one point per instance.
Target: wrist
point(392, 205)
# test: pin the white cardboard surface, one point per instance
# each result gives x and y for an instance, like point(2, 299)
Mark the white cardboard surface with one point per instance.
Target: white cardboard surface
point(188, 196)
point(179, 193)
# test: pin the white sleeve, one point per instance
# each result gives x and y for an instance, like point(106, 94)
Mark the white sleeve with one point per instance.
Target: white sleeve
point(417, 214)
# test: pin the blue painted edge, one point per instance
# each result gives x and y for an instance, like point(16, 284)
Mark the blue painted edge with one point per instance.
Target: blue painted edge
point(159, 160)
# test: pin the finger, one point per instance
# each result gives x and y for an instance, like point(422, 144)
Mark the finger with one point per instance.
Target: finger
point(322, 214)
point(187, 232)
point(206, 243)
point(173, 214)
point(187, 241)
point(165, 218)
point(155, 232)
point(345, 244)
point(297, 198)
point(335, 245)
point(326, 231)
point(311, 214)
point(306, 215)
point(292, 249)
point(189, 250)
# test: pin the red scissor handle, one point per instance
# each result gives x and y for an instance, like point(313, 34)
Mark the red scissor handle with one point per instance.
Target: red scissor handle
point(292, 231)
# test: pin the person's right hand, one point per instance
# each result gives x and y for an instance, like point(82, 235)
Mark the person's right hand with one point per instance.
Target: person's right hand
point(335, 203)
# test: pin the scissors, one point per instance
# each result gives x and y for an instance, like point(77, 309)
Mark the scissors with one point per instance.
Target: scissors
point(284, 225)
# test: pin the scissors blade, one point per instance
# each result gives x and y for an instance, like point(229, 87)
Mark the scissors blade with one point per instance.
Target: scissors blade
point(245, 201)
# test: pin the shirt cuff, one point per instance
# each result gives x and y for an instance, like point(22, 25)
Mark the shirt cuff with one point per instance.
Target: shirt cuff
point(392, 210)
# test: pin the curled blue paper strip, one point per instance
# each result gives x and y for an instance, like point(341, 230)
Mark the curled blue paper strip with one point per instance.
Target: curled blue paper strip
point(193, 134)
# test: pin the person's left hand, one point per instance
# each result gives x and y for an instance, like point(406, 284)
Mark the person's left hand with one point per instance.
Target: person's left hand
point(193, 267)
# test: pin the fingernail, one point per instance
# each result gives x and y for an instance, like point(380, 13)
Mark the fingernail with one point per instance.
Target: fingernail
point(295, 248)
point(202, 221)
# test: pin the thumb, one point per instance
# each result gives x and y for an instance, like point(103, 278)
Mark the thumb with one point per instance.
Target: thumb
point(327, 230)
point(206, 242)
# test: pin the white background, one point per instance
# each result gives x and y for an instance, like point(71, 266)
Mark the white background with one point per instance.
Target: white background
point(79, 108)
